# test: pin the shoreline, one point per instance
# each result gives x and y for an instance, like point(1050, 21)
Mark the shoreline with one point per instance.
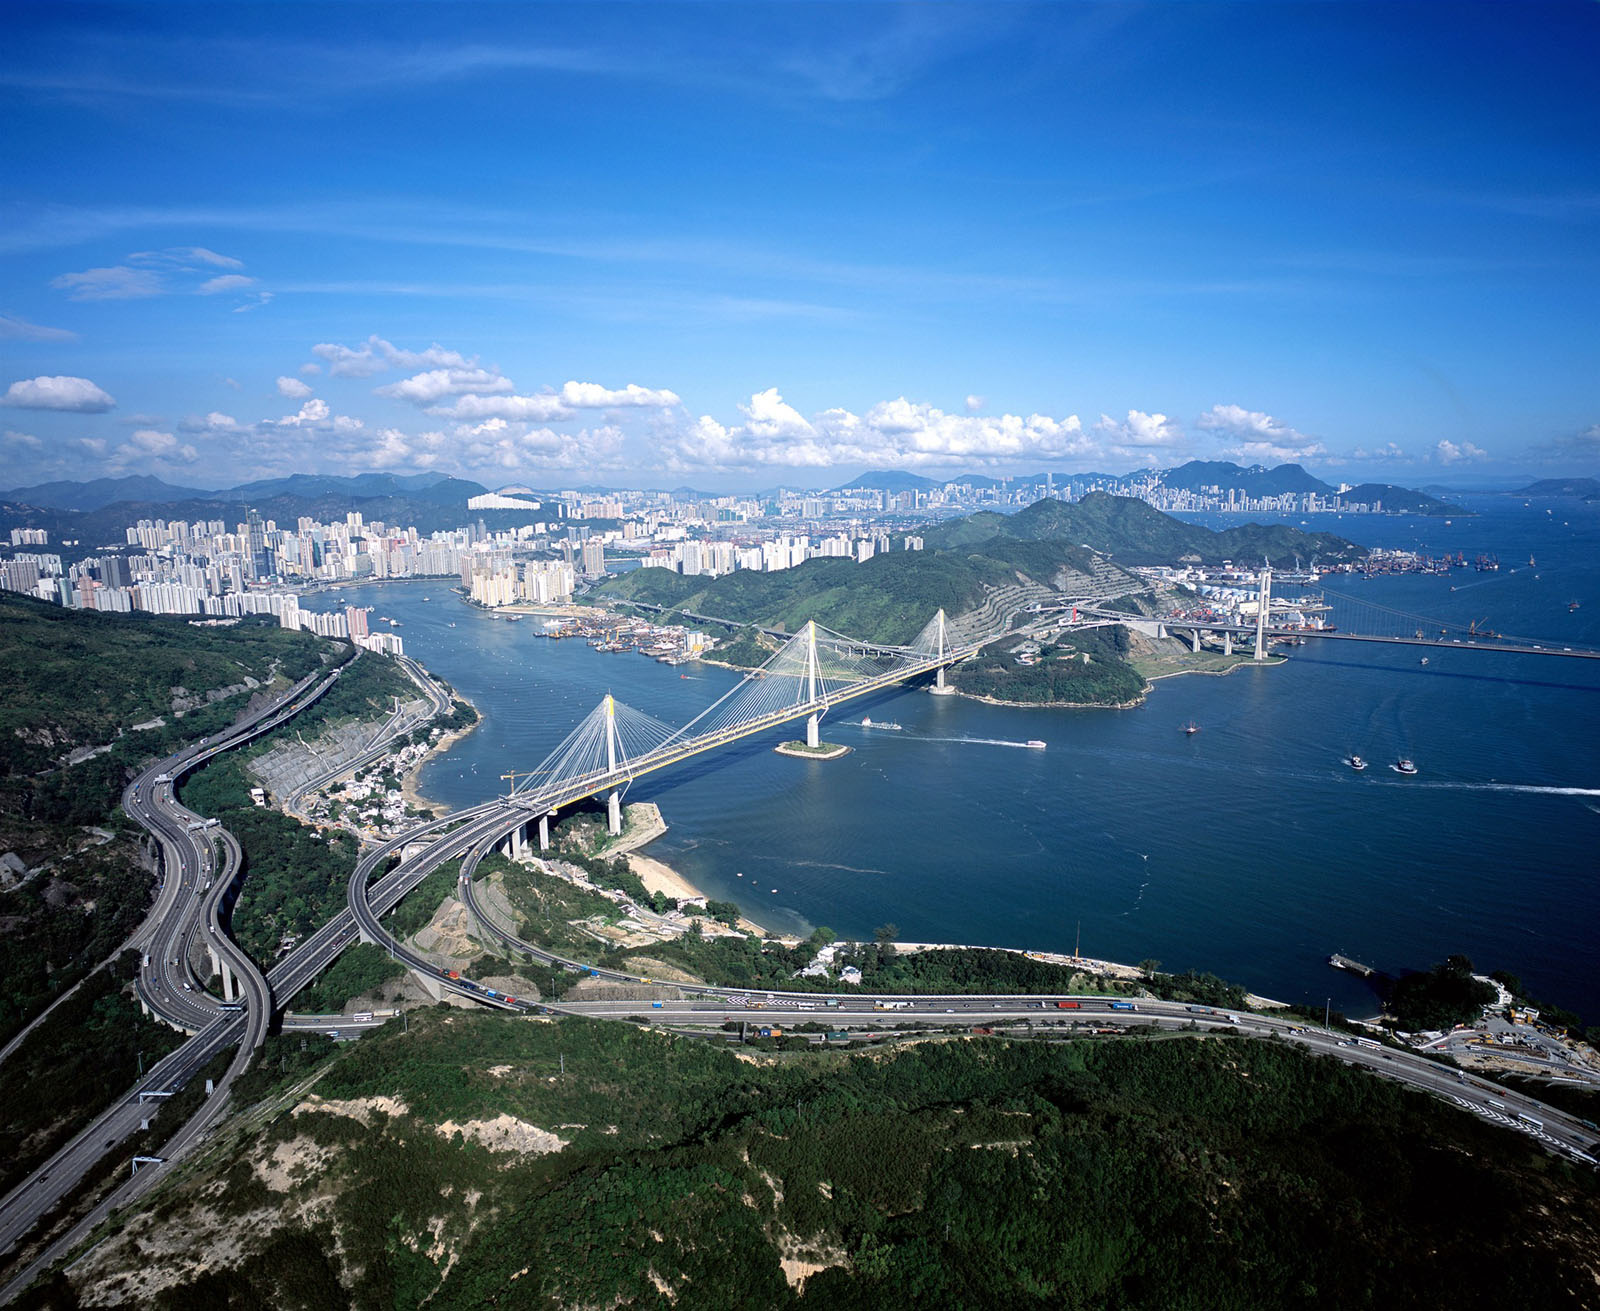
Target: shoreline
point(409, 787)
point(1058, 705)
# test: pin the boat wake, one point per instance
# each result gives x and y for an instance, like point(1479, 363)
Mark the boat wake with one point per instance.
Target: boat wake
point(1533, 788)
point(976, 741)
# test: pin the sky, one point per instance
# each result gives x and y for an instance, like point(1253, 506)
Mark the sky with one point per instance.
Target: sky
point(737, 246)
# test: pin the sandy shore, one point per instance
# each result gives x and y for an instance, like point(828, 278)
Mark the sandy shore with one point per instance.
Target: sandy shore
point(657, 876)
point(408, 785)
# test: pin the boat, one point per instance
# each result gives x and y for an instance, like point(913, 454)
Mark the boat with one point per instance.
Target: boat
point(1356, 763)
point(1191, 728)
point(1035, 744)
point(1571, 606)
point(893, 728)
point(427, 598)
point(452, 623)
point(1404, 766)
point(1423, 661)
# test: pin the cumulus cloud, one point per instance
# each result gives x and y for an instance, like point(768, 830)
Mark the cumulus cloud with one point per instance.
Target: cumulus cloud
point(148, 444)
point(375, 355)
point(78, 395)
point(26, 439)
point(15, 328)
point(313, 411)
point(546, 407)
point(293, 388)
point(94, 445)
point(224, 282)
point(592, 396)
point(1449, 452)
point(435, 384)
point(1259, 436)
point(1388, 451)
point(118, 282)
point(1140, 430)
point(974, 403)
point(897, 433)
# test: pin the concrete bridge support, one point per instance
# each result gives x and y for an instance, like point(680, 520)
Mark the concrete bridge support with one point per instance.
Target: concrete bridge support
point(1264, 599)
point(939, 679)
point(544, 832)
point(814, 731)
point(230, 985)
point(1227, 641)
point(519, 841)
point(1194, 640)
point(430, 983)
point(614, 813)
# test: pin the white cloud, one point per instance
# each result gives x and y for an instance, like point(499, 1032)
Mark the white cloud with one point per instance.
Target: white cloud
point(150, 444)
point(375, 355)
point(1140, 430)
point(78, 395)
point(224, 282)
point(592, 396)
point(897, 433)
point(311, 370)
point(14, 438)
point(347, 423)
point(118, 282)
point(185, 257)
point(1388, 451)
point(261, 298)
point(94, 445)
point(426, 388)
point(1261, 439)
point(1448, 452)
point(542, 408)
point(312, 412)
point(15, 328)
point(974, 403)
point(293, 388)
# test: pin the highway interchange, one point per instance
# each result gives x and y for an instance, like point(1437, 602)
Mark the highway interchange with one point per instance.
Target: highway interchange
point(202, 863)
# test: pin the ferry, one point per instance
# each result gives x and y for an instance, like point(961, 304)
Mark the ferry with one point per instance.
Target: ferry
point(1035, 744)
point(1404, 766)
point(1356, 763)
point(893, 728)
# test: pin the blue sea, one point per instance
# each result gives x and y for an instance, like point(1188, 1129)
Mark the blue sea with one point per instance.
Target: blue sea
point(1247, 849)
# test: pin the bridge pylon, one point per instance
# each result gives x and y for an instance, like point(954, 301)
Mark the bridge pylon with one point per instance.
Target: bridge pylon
point(1263, 603)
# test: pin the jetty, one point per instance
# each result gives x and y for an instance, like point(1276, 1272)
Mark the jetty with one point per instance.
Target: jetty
point(1354, 966)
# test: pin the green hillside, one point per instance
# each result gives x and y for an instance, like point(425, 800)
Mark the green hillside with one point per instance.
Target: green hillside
point(1134, 532)
point(485, 1160)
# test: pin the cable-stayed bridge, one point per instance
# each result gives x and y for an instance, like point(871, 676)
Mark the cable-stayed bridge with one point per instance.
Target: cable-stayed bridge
point(812, 672)
point(1262, 618)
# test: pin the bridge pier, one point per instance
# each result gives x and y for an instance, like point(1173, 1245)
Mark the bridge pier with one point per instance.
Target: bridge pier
point(1194, 640)
point(938, 678)
point(430, 983)
point(1227, 641)
point(814, 731)
point(519, 841)
point(1264, 603)
point(544, 832)
point(614, 810)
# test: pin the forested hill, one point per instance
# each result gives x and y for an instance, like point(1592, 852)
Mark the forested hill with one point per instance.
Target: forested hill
point(452, 1166)
point(1134, 532)
point(887, 599)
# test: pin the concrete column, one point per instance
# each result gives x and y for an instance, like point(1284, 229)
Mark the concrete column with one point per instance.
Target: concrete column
point(813, 731)
point(614, 814)
point(1194, 640)
point(211, 955)
point(519, 841)
point(230, 986)
point(1227, 642)
point(1264, 599)
point(544, 833)
point(938, 678)
point(430, 983)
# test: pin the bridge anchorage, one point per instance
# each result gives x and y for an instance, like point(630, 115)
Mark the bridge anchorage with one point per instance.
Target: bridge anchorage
point(812, 672)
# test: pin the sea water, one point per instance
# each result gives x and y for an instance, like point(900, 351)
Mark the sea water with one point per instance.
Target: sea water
point(1248, 849)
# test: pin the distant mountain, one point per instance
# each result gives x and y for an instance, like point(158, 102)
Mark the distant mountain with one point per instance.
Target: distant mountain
point(1402, 500)
point(437, 488)
point(1256, 480)
point(979, 480)
point(1588, 488)
point(101, 492)
point(1132, 531)
point(890, 480)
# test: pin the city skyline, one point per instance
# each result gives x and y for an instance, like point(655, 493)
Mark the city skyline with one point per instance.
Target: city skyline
point(737, 247)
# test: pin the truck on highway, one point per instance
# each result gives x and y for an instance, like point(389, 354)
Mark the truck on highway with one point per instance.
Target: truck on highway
point(1069, 1005)
point(890, 1005)
point(1530, 1121)
point(1123, 1006)
point(655, 1005)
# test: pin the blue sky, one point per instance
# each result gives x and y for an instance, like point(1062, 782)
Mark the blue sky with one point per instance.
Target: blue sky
point(733, 245)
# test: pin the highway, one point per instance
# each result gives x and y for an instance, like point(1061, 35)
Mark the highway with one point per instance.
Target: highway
point(468, 834)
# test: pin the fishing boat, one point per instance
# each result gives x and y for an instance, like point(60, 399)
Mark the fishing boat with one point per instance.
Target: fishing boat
point(1191, 728)
point(1356, 763)
point(1404, 766)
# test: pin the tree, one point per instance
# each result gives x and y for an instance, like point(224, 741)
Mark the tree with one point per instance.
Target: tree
point(1149, 966)
point(884, 934)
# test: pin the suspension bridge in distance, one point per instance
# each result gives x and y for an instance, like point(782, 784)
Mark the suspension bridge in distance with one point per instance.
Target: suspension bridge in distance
point(1267, 619)
point(812, 672)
